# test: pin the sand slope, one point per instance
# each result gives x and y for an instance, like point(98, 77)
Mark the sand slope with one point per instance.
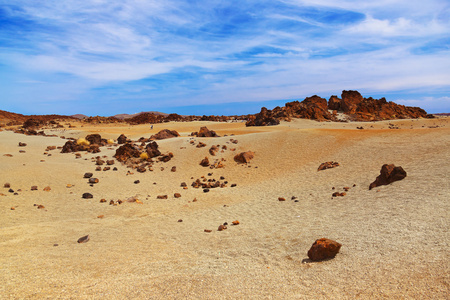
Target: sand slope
point(395, 238)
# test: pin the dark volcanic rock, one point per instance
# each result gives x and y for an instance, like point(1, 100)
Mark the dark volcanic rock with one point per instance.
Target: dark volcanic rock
point(122, 139)
point(126, 151)
point(328, 165)
point(87, 196)
point(165, 134)
point(244, 157)
point(263, 118)
point(152, 150)
point(388, 174)
point(204, 162)
point(323, 249)
point(94, 139)
point(205, 132)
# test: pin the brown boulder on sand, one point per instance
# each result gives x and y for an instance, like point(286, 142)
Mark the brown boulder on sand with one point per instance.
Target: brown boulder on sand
point(244, 157)
point(323, 249)
point(205, 132)
point(328, 165)
point(122, 139)
point(204, 162)
point(388, 174)
point(165, 134)
point(126, 151)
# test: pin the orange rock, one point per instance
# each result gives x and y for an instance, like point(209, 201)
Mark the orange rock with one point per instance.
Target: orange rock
point(40, 206)
point(13, 208)
point(207, 230)
point(101, 216)
point(102, 200)
point(323, 249)
point(235, 222)
point(222, 227)
point(281, 199)
point(47, 189)
point(177, 195)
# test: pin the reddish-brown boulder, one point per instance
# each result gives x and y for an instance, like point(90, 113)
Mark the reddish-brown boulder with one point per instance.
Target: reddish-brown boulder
point(334, 103)
point(122, 139)
point(213, 150)
point(126, 151)
point(264, 118)
point(152, 150)
point(350, 101)
point(244, 157)
point(94, 138)
point(388, 174)
point(204, 162)
point(165, 134)
point(323, 249)
point(205, 132)
point(328, 165)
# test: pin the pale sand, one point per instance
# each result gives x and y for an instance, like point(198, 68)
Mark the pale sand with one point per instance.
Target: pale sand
point(395, 238)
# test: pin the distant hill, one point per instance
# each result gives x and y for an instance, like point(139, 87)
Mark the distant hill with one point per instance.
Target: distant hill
point(79, 116)
point(15, 119)
point(128, 116)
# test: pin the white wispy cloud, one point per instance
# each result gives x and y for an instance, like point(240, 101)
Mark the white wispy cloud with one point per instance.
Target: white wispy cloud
point(181, 52)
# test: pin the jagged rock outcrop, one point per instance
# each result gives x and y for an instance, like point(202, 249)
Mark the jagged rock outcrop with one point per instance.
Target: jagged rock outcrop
point(126, 151)
point(152, 150)
point(263, 118)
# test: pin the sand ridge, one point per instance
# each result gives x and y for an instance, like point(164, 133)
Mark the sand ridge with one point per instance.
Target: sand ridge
point(395, 238)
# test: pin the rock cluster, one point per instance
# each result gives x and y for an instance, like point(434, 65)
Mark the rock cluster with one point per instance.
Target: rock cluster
point(205, 132)
point(165, 134)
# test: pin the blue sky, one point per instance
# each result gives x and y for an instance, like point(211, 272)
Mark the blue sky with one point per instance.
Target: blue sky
point(103, 57)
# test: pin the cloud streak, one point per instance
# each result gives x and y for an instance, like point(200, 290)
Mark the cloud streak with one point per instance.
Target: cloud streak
point(134, 55)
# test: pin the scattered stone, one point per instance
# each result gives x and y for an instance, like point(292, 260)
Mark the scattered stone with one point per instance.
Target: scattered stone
point(69, 185)
point(141, 169)
point(110, 162)
point(106, 169)
point(98, 168)
point(388, 174)
point(337, 194)
point(213, 150)
point(87, 196)
point(183, 184)
point(235, 222)
point(346, 188)
point(111, 202)
point(40, 206)
point(34, 188)
point(93, 180)
point(7, 185)
point(205, 190)
point(204, 162)
point(100, 216)
point(179, 221)
point(281, 199)
point(115, 169)
point(136, 182)
point(233, 185)
point(327, 165)
point(8, 155)
point(174, 169)
point(207, 230)
point(22, 144)
point(161, 197)
point(323, 249)
point(221, 228)
point(102, 200)
point(11, 190)
point(47, 189)
point(244, 157)
point(205, 132)
point(88, 175)
point(177, 195)
point(13, 208)
point(83, 239)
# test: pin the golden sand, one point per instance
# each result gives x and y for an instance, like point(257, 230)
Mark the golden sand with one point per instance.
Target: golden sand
point(395, 238)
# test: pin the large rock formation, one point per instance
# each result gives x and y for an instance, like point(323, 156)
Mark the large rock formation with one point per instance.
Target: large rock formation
point(126, 151)
point(388, 174)
point(263, 118)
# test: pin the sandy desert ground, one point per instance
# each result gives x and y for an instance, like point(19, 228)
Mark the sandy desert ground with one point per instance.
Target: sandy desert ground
point(395, 238)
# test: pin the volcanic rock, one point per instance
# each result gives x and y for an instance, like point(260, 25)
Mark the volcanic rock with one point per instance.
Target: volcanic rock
point(205, 132)
point(263, 118)
point(204, 162)
point(122, 139)
point(161, 197)
point(213, 150)
point(152, 150)
point(83, 239)
point(388, 174)
point(221, 228)
point(88, 175)
point(22, 144)
point(126, 151)
point(323, 249)
point(87, 196)
point(93, 180)
point(244, 157)
point(94, 139)
point(327, 165)
point(177, 195)
point(165, 134)
point(34, 188)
